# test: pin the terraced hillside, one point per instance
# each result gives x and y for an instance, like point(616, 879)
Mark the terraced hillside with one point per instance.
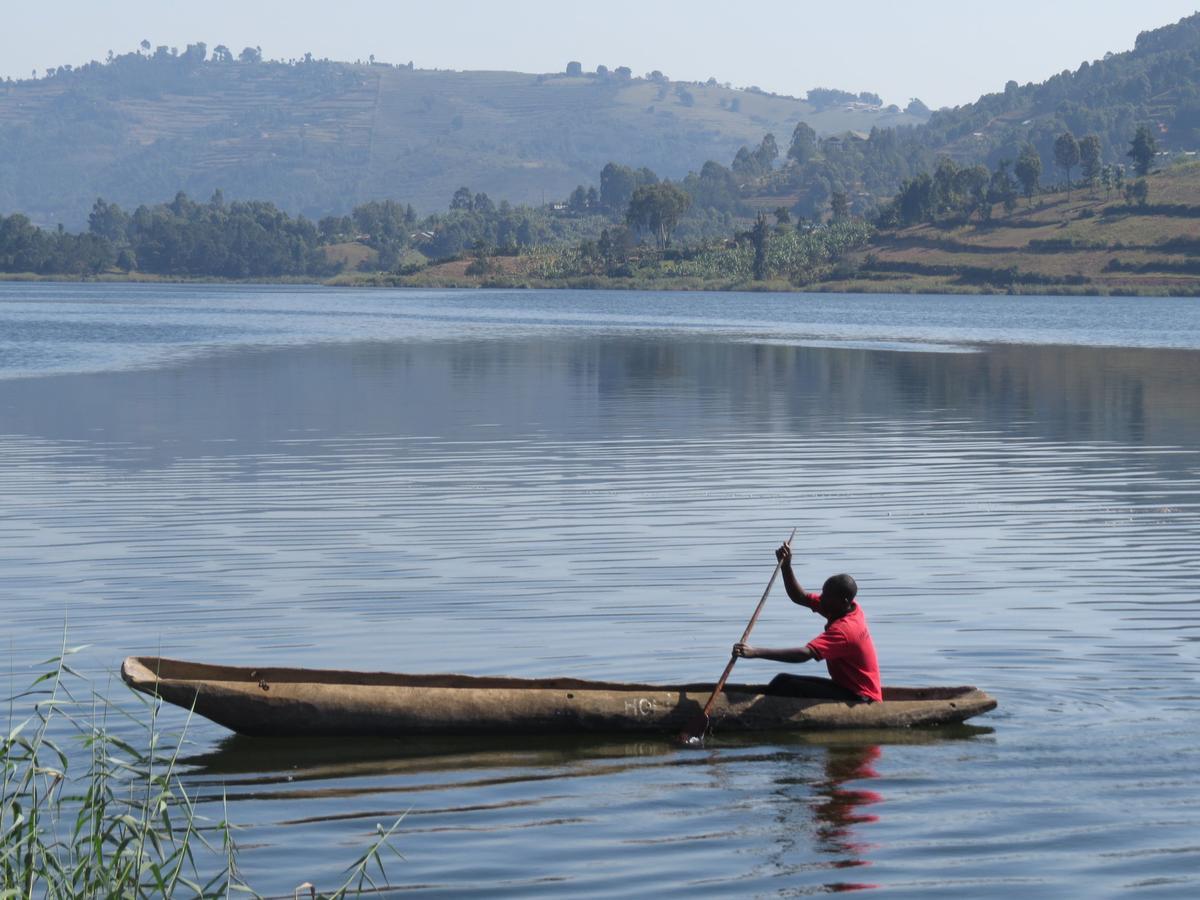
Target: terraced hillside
point(319, 137)
point(1088, 243)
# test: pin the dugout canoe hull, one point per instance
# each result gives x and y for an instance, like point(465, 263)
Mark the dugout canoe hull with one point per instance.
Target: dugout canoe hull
point(320, 702)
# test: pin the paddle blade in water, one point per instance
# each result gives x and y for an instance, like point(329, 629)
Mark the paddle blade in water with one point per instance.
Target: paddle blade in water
point(693, 734)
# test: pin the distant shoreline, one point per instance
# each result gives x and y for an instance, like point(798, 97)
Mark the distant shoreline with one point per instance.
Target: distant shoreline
point(600, 283)
point(1080, 244)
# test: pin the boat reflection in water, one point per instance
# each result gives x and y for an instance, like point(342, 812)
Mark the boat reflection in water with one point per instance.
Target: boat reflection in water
point(818, 788)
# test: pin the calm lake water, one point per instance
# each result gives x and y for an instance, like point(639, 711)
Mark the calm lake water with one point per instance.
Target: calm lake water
point(592, 484)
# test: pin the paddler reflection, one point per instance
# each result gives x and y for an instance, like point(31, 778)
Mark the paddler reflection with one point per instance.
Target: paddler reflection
point(826, 812)
point(842, 808)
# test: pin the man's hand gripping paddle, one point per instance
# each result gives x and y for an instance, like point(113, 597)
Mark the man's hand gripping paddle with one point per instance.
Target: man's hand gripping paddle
point(695, 730)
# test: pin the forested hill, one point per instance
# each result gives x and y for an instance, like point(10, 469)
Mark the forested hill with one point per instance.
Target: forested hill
point(1157, 82)
point(1154, 87)
point(318, 137)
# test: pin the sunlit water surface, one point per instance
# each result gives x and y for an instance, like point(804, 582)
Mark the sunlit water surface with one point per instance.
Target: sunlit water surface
point(591, 484)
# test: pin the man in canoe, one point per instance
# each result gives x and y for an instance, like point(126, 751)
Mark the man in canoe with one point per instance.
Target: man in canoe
point(845, 645)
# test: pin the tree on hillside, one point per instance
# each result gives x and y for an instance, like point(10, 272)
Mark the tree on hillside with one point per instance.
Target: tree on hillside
point(1142, 150)
point(617, 184)
point(944, 196)
point(767, 153)
point(914, 203)
point(1029, 170)
point(759, 235)
point(839, 207)
point(714, 188)
point(657, 208)
point(1066, 154)
point(1002, 188)
point(1138, 192)
point(744, 163)
point(196, 53)
point(574, 69)
point(482, 203)
point(804, 143)
point(463, 199)
point(107, 220)
point(972, 191)
point(251, 54)
point(1089, 158)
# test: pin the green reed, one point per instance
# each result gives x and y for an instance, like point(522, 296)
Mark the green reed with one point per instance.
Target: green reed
point(125, 825)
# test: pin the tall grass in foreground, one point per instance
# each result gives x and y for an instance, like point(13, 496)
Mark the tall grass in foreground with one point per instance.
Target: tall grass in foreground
point(125, 826)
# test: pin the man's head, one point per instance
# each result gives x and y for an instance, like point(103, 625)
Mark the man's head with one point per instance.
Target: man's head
point(837, 595)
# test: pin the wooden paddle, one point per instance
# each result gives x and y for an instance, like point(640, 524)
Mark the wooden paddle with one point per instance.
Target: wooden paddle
point(695, 729)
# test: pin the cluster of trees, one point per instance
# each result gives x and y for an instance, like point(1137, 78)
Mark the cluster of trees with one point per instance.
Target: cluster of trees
point(236, 240)
point(798, 255)
point(758, 162)
point(955, 193)
point(26, 248)
point(951, 192)
point(243, 239)
point(1085, 153)
point(384, 225)
point(254, 239)
point(484, 225)
point(151, 69)
point(657, 209)
point(826, 174)
point(859, 168)
point(795, 251)
point(620, 73)
point(164, 58)
point(824, 98)
point(617, 184)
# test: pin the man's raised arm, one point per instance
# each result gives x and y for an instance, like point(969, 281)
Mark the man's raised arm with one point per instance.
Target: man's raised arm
point(794, 591)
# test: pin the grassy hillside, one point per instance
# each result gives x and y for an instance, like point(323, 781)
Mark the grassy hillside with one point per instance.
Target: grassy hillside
point(1087, 243)
point(319, 137)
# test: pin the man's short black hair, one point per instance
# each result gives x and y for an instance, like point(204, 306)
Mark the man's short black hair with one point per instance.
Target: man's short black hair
point(841, 586)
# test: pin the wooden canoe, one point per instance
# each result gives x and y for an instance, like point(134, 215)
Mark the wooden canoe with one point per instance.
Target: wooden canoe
point(321, 702)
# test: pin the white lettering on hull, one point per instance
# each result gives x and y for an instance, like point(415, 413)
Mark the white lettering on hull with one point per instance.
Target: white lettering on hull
point(641, 707)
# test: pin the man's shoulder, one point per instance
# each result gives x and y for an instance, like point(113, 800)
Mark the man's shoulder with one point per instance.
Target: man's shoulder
point(853, 621)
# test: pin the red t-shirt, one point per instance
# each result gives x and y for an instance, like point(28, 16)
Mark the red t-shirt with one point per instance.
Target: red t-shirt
point(849, 652)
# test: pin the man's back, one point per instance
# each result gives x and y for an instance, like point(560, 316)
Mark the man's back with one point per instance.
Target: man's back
point(849, 654)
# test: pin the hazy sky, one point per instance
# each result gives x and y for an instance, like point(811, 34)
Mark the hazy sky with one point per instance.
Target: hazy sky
point(944, 51)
